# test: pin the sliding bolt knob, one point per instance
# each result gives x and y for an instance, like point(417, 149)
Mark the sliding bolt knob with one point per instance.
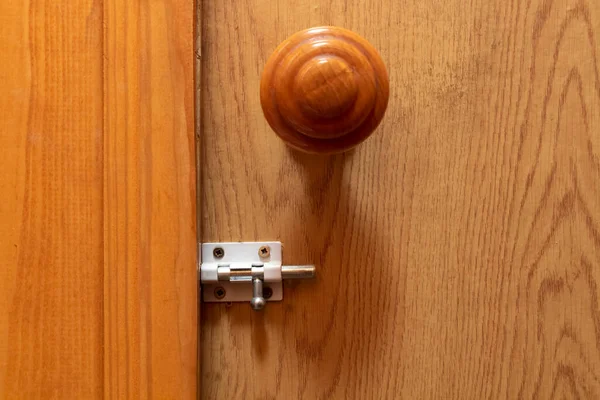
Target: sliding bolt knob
point(258, 302)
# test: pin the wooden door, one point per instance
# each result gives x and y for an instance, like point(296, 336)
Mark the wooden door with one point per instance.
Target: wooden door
point(458, 249)
point(97, 217)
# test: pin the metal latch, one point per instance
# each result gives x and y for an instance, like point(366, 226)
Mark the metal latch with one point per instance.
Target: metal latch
point(246, 271)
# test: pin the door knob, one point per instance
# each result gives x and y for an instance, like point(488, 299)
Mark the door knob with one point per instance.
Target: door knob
point(324, 90)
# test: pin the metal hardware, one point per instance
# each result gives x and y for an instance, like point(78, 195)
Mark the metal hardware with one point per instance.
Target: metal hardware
point(264, 251)
point(220, 292)
point(267, 293)
point(218, 252)
point(246, 271)
point(297, 271)
point(258, 302)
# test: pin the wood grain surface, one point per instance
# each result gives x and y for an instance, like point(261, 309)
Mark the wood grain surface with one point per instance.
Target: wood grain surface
point(458, 248)
point(149, 201)
point(51, 208)
point(97, 218)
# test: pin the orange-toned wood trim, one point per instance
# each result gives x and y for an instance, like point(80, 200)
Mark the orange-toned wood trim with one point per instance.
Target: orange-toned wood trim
point(51, 200)
point(197, 126)
point(150, 299)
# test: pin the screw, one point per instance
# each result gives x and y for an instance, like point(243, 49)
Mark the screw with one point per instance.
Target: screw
point(267, 292)
point(264, 251)
point(218, 252)
point(220, 292)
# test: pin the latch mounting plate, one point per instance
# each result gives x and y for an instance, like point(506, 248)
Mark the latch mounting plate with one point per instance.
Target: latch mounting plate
point(239, 253)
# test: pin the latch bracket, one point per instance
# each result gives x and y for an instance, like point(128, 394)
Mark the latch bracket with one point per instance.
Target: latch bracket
point(246, 271)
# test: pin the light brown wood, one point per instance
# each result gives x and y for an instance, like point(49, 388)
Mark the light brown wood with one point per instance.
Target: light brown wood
point(324, 90)
point(51, 208)
point(97, 218)
point(458, 247)
point(149, 201)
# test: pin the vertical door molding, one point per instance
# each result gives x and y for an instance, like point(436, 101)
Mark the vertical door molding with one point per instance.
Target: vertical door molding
point(51, 209)
point(150, 306)
point(198, 142)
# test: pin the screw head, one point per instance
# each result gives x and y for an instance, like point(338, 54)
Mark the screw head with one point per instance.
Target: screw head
point(218, 252)
point(267, 292)
point(220, 292)
point(264, 251)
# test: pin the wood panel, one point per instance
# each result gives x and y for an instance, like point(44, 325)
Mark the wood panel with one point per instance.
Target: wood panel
point(458, 248)
point(51, 209)
point(149, 200)
point(97, 222)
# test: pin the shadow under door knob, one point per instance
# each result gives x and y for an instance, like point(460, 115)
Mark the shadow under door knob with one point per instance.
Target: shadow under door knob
point(324, 90)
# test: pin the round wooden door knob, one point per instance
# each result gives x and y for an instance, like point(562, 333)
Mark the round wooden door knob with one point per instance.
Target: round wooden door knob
point(324, 90)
